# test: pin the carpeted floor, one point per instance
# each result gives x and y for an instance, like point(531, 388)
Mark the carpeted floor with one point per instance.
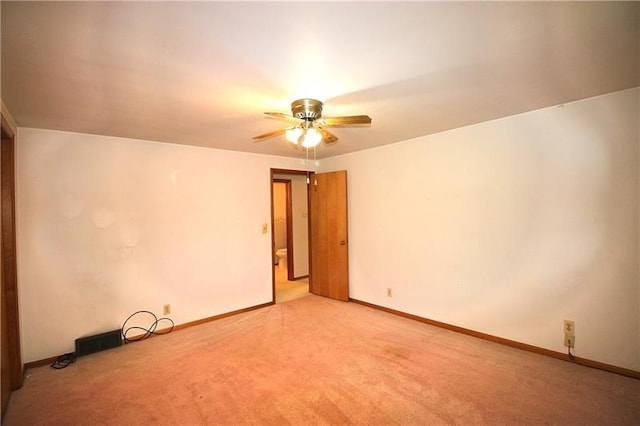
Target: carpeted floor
point(289, 290)
point(318, 361)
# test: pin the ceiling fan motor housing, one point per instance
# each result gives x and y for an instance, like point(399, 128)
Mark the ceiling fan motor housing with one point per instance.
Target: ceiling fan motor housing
point(306, 109)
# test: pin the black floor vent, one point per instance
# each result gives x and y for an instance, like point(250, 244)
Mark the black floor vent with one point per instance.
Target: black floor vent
point(99, 342)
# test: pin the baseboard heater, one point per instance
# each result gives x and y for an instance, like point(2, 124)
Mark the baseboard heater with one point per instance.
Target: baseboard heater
point(99, 342)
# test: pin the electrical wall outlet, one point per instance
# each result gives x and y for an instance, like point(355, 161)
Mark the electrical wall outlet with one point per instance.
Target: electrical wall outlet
point(569, 340)
point(166, 309)
point(569, 333)
point(389, 293)
point(569, 328)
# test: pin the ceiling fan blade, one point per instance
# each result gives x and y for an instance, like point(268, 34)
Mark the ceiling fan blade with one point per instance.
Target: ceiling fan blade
point(341, 121)
point(327, 137)
point(283, 116)
point(269, 135)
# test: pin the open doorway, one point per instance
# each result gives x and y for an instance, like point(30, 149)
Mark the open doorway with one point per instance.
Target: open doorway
point(290, 234)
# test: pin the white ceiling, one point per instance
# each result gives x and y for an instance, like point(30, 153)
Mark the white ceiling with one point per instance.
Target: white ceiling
point(202, 73)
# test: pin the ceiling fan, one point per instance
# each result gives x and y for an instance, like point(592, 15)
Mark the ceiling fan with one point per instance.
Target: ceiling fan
point(307, 127)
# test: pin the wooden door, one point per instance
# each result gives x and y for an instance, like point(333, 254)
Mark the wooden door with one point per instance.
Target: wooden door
point(5, 391)
point(11, 357)
point(329, 261)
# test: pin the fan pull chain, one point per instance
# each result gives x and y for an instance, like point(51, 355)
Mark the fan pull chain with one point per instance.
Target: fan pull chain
point(307, 165)
point(315, 168)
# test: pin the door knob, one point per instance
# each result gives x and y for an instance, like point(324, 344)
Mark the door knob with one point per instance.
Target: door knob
point(343, 242)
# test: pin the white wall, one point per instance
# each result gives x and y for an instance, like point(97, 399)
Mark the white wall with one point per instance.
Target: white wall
point(508, 227)
point(109, 226)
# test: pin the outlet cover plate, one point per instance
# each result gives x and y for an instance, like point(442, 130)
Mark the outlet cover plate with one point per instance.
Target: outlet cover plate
point(569, 341)
point(569, 328)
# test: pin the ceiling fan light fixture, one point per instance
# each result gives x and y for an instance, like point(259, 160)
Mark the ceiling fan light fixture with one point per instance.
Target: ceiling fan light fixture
point(293, 134)
point(311, 138)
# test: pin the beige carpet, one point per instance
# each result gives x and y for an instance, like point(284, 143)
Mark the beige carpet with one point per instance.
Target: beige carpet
point(317, 361)
point(289, 290)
